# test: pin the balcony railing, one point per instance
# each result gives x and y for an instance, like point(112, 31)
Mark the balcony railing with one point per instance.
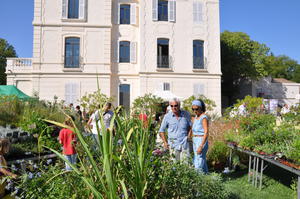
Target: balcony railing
point(199, 63)
point(164, 62)
point(18, 64)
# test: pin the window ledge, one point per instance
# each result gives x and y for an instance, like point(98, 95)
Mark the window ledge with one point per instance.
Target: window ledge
point(200, 70)
point(72, 70)
point(73, 20)
point(164, 69)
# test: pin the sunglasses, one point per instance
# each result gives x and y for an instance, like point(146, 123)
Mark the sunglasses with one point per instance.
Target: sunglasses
point(174, 105)
point(195, 109)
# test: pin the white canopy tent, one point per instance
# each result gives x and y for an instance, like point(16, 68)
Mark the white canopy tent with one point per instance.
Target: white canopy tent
point(167, 95)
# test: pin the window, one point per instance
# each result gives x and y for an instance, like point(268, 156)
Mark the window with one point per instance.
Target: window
point(166, 86)
point(124, 52)
point(124, 14)
point(198, 54)
point(163, 53)
point(124, 96)
point(73, 9)
point(72, 52)
point(162, 10)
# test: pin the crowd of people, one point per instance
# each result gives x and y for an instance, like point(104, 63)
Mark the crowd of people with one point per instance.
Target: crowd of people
point(181, 130)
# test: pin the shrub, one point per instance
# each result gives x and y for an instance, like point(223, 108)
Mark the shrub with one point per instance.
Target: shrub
point(11, 109)
point(53, 183)
point(218, 153)
point(149, 104)
point(182, 181)
point(210, 104)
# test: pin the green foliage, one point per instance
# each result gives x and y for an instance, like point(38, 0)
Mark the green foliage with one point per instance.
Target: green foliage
point(182, 181)
point(129, 170)
point(241, 58)
point(294, 152)
point(94, 100)
point(187, 103)
point(262, 133)
point(282, 67)
point(11, 109)
point(218, 153)
point(6, 50)
point(252, 104)
point(149, 104)
point(54, 183)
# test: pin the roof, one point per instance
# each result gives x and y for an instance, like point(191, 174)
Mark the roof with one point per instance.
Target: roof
point(12, 90)
point(281, 80)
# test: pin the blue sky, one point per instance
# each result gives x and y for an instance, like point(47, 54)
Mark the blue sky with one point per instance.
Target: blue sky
point(272, 22)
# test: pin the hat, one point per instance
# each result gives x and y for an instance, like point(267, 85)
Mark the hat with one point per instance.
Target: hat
point(196, 103)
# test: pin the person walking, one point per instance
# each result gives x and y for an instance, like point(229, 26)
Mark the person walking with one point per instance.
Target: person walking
point(178, 123)
point(199, 134)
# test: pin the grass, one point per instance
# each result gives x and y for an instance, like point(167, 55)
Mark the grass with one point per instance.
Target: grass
point(272, 188)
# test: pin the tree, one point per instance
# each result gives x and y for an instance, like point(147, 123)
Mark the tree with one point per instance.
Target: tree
point(6, 50)
point(241, 58)
point(282, 67)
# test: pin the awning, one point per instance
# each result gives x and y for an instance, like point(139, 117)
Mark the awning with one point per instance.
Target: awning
point(12, 90)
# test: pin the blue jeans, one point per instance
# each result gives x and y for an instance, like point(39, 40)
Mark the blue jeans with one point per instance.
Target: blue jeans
point(200, 159)
point(72, 159)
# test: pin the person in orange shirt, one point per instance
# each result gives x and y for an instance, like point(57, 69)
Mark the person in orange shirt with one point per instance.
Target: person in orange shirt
point(68, 139)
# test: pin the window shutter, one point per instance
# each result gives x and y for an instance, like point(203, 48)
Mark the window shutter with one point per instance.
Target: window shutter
point(197, 12)
point(68, 93)
point(154, 10)
point(132, 52)
point(133, 13)
point(118, 14)
point(116, 52)
point(160, 86)
point(82, 9)
point(198, 89)
point(64, 9)
point(172, 10)
point(74, 92)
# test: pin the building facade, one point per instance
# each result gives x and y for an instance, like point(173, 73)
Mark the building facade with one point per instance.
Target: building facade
point(126, 47)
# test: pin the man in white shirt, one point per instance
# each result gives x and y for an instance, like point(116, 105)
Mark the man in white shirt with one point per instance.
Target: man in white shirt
point(95, 122)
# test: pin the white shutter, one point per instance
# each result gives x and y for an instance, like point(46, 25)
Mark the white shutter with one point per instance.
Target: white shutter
point(197, 12)
point(116, 52)
point(195, 16)
point(154, 10)
point(160, 86)
point(74, 92)
point(198, 89)
point(82, 9)
point(68, 93)
point(64, 9)
point(133, 13)
point(132, 52)
point(172, 10)
point(118, 14)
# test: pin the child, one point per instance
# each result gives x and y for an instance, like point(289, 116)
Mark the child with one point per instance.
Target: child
point(68, 139)
point(4, 148)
